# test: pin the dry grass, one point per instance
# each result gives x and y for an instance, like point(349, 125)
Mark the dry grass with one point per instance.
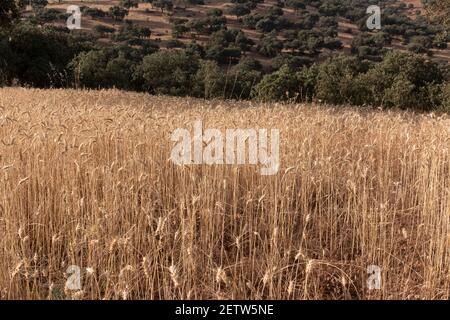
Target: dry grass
point(85, 180)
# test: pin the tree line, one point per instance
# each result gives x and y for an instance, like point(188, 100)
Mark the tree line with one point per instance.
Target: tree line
point(48, 56)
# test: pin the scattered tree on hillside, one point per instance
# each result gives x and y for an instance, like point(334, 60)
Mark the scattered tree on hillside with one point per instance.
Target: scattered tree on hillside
point(38, 4)
point(129, 3)
point(118, 13)
point(163, 5)
point(439, 10)
point(240, 10)
point(270, 46)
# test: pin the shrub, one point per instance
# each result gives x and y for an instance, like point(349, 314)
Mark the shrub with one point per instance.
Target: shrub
point(130, 30)
point(336, 80)
point(270, 46)
point(118, 13)
point(168, 72)
point(174, 43)
point(129, 3)
point(106, 68)
point(281, 85)
point(100, 28)
point(209, 81)
point(292, 61)
point(93, 12)
point(41, 54)
point(403, 80)
point(240, 10)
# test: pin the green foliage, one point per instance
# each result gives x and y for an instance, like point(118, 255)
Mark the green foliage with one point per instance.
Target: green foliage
point(104, 68)
point(130, 30)
point(225, 46)
point(212, 23)
point(40, 55)
point(311, 41)
point(38, 4)
point(420, 44)
point(295, 4)
point(240, 10)
point(209, 81)
point(195, 49)
point(129, 3)
point(174, 43)
point(242, 78)
point(403, 80)
point(281, 85)
point(444, 97)
point(236, 83)
point(49, 15)
point(370, 46)
point(337, 80)
point(222, 55)
point(163, 5)
point(179, 29)
point(215, 12)
point(93, 12)
point(168, 72)
point(286, 85)
point(269, 21)
point(243, 42)
point(102, 29)
point(294, 62)
point(270, 46)
point(118, 13)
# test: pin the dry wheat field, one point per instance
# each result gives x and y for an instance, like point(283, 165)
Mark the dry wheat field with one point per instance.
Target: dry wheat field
point(86, 180)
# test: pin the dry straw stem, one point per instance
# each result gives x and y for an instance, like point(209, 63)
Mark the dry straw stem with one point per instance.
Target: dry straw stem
point(85, 179)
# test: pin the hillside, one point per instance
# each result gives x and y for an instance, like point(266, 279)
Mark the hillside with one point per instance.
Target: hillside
point(161, 22)
point(88, 182)
point(289, 50)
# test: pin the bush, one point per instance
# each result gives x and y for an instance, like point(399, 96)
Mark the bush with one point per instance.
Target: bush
point(169, 72)
point(179, 29)
point(240, 10)
point(40, 55)
point(292, 61)
point(403, 80)
point(106, 68)
point(214, 12)
point(337, 81)
point(6, 60)
point(93, 12)
point(118, 13)
point(444, 97)
point(174, 43)
point(130, 30)
point(242, 78)
point(50, 15)
point(163, 5)
point(129, 3)
point(102, 29)
point(270, 46)
point(38, 4)
point(195, 49)
point(282, 85)
point(209, 81)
